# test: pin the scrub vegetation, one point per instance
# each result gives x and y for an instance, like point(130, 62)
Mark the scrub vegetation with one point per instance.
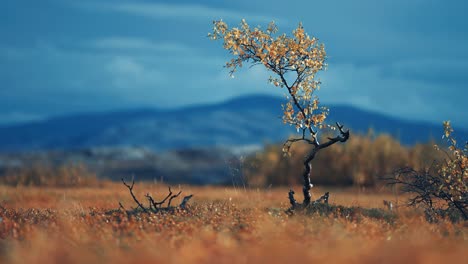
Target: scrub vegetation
point(222, 225)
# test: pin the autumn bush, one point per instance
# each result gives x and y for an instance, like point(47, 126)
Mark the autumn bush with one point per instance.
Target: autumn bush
point(44, 174)
point(441, 189)
point(363, 161)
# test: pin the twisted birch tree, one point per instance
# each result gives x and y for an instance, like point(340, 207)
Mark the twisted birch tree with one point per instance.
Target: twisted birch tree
point(294, 61)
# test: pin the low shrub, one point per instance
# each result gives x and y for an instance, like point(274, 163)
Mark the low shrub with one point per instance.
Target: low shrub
point(42, 175)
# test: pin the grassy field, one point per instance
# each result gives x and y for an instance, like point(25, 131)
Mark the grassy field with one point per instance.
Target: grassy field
point(222, 225)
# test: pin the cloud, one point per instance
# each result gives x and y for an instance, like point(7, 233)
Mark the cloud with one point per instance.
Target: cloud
point(131, 79)
point(449, 71)
point(175, 11)
point(221, 86)
point(12, 53)
point(132, 76)
point(403, 58)
point(411, 98)
point(138, 44)
point(19, 117)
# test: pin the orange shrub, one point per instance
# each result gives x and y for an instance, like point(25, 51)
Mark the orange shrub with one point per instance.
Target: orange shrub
point(362, 162)
point(68, 175)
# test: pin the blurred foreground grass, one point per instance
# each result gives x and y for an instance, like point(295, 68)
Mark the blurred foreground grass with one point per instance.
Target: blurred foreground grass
point(223, 225)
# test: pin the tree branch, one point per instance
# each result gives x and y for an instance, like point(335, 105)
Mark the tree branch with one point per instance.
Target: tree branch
point(291, 199)
point(172, 197)
point(343, 137)
point(296, 103)
point(164, 200)
point(130, 188)
point(183, 204)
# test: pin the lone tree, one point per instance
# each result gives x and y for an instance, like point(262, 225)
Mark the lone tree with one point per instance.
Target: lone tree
point(295, 61)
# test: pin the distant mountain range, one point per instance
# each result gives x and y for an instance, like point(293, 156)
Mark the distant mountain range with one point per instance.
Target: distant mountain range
point(244, 121)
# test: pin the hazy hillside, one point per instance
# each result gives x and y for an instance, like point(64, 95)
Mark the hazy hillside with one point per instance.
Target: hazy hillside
point(241, 121)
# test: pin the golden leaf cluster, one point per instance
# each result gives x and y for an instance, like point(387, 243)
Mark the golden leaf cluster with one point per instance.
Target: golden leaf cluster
point(298, 55)
point(455, 169)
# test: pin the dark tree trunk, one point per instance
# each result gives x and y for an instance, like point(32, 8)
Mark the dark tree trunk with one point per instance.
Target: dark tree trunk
point(343, 137)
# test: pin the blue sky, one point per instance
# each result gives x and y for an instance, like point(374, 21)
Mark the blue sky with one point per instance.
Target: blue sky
point(404, 58)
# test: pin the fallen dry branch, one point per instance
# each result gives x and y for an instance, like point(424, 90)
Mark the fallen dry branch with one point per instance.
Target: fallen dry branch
point(155, 206)
point(130, 188)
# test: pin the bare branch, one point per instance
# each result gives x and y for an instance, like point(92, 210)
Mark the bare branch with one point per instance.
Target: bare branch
point(164, 200)
point(291, 199)
point(323, 198)
point(184, 202)
point(344, 135)
point(151, 201)
point(428, 190)
point(172, 197)
point(122, 207)
point(130, 188)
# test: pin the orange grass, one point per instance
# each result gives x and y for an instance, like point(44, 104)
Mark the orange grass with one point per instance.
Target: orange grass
point(223, 225)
